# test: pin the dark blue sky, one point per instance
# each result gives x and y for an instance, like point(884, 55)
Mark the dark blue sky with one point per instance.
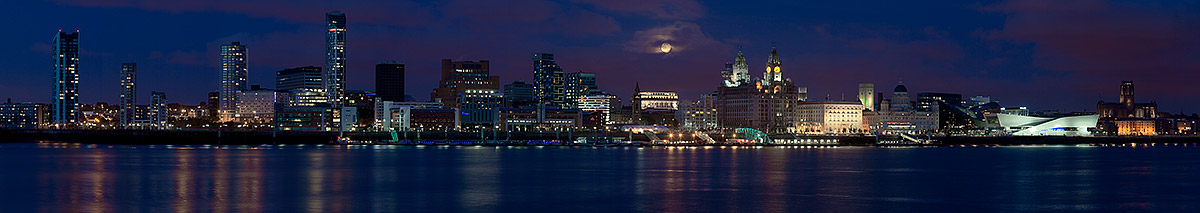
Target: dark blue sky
point(1042, 54)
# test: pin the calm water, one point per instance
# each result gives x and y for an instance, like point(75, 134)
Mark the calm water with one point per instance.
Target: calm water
point(71, 177)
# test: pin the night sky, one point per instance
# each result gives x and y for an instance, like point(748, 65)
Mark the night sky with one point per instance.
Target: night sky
point(1042, 54)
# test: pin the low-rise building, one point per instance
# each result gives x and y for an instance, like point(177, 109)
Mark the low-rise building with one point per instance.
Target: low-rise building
point(829, 117)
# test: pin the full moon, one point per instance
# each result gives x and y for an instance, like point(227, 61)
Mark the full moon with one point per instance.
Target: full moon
point(666, 47)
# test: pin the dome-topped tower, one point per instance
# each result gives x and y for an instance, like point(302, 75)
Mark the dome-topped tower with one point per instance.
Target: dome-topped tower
point(773, 72)
point(900, 100)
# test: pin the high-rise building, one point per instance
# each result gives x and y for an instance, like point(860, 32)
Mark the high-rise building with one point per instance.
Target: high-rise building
point(158, 109)
point(65, 107)
point(308, 77)
point(518, 94)
point(233, 78)
point(389, 81)
point(548, 81)
point(579, 84)
point(460, 76)
point(128, 93)
point(767, 105)
point(866, 96)
point(335, 57)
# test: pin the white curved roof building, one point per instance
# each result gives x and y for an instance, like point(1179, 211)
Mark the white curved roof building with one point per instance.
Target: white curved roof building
point(1050, 126)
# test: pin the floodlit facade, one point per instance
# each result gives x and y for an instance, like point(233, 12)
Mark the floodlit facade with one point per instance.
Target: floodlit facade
point(866, 96)
point(656, 100)
point(601, 103)
point(829, 117)
point(1145, 127)
point(1080, 125)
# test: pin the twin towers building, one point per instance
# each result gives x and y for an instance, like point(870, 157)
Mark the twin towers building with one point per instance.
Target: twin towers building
point(766, 104)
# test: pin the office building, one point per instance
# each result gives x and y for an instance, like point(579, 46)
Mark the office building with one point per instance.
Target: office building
point(364, 104)
point(460, 76)
point(577, 85)
point(519, 95)
point(479, 107)
point(335, 57)
point(389, 81)
point(397, 115)
point(767, 105)
point(598, 103)
point(258, 105)
point(774, 73)
point(65, 106)
point(306, 97)
point(540, 118)
point(866, 96)
point(214, 103)
point(308, 77)
point(233, 78)
point(829, 117)
point(700, 115)
point(927, 100)
point(304, 118)
point(128, 93)
point(158, 109)
point(548, 81)
point(900, 101)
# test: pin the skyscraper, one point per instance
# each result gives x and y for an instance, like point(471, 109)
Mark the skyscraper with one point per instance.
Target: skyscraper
point(579, 84)
point(460, 76)
point(233, 78)
point(65, 107)
point(547, 81)
point(335, 57)
point(866, 95)
point(128, 93)
point(389, 81)
point(158, 109)
point(308, 77)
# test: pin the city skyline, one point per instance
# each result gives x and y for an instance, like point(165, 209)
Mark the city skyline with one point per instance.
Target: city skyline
point(829, 55)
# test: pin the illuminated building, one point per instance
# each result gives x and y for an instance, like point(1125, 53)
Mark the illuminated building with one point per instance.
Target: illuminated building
point(518, 95)
point(1125, 108)
point(866, 96)
point(65, 107)
point(663, 100)
point(579, 84)
point(214, 103)
point(479, 106)
point(1021, 125)
point(548, 88)
point(308, 77)
point(541, 118)
point(158, 109)
point(1145, 126)
point(829, 117)
point(364, 104)
point(460, 76)
point(233, 78)
point(23, 116)
point(896, 115)
point(699, 115)
point(335, 57)
point(306, 98)
point(389, 81)
point(396, 115)
point(737, 73)
point(128, 92)
point(927, 100)
point(767, 105)
point(599, 103)
point(900, 101)
point(258, 105)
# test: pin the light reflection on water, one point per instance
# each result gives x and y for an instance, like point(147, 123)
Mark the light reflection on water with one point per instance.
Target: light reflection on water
point(328, 178)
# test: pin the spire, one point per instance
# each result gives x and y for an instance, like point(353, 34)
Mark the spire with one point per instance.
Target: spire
point(637, 88)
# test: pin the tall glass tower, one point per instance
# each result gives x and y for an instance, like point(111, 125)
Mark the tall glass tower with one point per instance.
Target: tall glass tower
point(233, 78)
point(335, 57)
point(128, 93)
point(547, 81)
point(65, 106)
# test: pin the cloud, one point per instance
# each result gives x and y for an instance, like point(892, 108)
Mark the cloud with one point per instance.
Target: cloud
point(659, 9)
point(681, 35)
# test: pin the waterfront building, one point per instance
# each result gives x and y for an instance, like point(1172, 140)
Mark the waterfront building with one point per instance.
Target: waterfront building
point(364, 104)
point(1070, 125)
point(304, 118)
point(24, 116)
point(979, 100)
point(214, 103)
point(900, 101)
point(306, 97)
point(389, 81)
point(600, 103)
point(548, 81)
point(348, 119)
point(829, 117)
point(1125, 108)
point(767, 105)
point(866, 96)
point(335, 57)
point(397, 115)
point(540, 118)
point(258, 105)
point(158, 109)
point(738, 72)
point(660, 100)
point(433, 119)
point(460, 76)
point(307, 77)
point(700, 115)
point(128, 92)
point(1024, 111)
point(1145, 126)
point(479, 107)
point(519, 95)
point(927, 100)
point(577, 85)
point(891, 122)
point(65, 106)
point(233, 78)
